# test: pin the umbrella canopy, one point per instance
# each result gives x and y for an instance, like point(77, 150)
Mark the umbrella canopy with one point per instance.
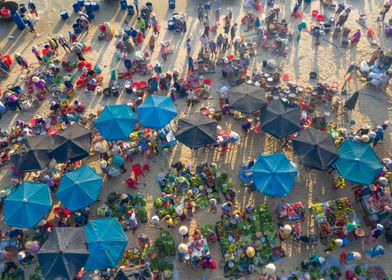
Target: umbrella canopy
point(351, 102)
point(72, 144)
point(27, 205)
point(274, 175)
point(32, 154)
point(358, 163)
point(63, 254)
point(280, 120)
point(247, 98)
point(315, 149)
point(79, 188)
point(196, 131)
point(106, 242)
point(156, 111)
point(116, 122)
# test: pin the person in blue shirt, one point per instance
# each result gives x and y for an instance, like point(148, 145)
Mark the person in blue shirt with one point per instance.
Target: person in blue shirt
point(340, 9)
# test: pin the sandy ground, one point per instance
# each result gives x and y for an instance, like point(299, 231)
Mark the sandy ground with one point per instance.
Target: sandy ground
point(331, 64)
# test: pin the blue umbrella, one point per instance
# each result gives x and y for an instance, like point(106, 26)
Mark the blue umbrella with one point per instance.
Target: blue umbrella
point(274, 175)
point(156, 111)
point(116, 122)
point(27, 205)
point(79, 188)
point(358, 163)
point(106, 242)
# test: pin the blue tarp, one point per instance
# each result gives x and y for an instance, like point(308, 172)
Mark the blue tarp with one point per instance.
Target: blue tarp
point(106, 242)
point(274, 175)
point(116, 122)
point(156, 111)
point(79, 188)
point(27, 205)
point(358, 163)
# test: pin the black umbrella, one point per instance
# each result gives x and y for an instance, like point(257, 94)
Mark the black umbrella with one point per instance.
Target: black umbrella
point(72, 144)
point(63, 254)
point(32, 154)
point(247, 98)
point(351, 102)
point(196, 131)
point(315, 149)
point(280, 120)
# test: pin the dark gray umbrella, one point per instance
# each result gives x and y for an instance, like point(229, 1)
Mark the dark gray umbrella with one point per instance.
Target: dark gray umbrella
point(63, 254)
point(141, 272)
point(72, 144)
point(196, 131)
point(315, 149)
point(32, 154)
point(279, 119)
point(351, 102)
point(247, 98)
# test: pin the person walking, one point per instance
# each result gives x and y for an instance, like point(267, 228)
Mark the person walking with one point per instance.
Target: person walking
point(22, 61)
point(30, 24)
point(63, 42)
point(188, 47)
point(37, 54)
point(32, 8)
point(78, 51)
point(200, 13)
point(233, 32)
point(340, 9)
point(136, 4)
point(384, 11)
point(151, 42)
point(343, 17)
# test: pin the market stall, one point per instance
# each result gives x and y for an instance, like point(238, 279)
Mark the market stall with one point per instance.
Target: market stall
point(375, 202)
point(293, 211)
point(249, 243)
point(332, 216)
point(185, 192)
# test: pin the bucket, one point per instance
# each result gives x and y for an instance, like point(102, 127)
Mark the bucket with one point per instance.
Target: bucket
point(123, 4)
point(149, 6)
point(143, 84)
point(171, 25)
point(315, 13)
point(81, 3)
point(95, 5)
point(172, 4)
point(88, 7)
point(77, 28)
point(83, 76)
point(128, 88)
point(17, 18)
point(64, 15)
point(90, 16)
point(22, 8)
point(320, 18)
point(135, 85)
point(80, 83)
point(130, 10)
point(327, 28)
point(76, 7)
point(81, 64)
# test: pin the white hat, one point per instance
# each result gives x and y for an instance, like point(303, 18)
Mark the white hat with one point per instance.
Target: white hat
point(365, 126)
point(3, 193)
point(183, 230)
point(365, 138)
point(67, 78)
point(182, 248)
point(35, 79)
point(380, 226)
point(338, 242)
point(270, 268)
point(357, 256)
point(287, 229)
point(383, 181)
point(124, 196)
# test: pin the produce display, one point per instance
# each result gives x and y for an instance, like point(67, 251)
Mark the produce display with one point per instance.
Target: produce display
point(198, 188)
point(159, 255)
point(119, 206)
point(332, 215)
point(293, 211)
point(248, 244)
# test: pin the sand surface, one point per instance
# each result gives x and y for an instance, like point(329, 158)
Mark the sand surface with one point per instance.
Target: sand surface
point(330, 62)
